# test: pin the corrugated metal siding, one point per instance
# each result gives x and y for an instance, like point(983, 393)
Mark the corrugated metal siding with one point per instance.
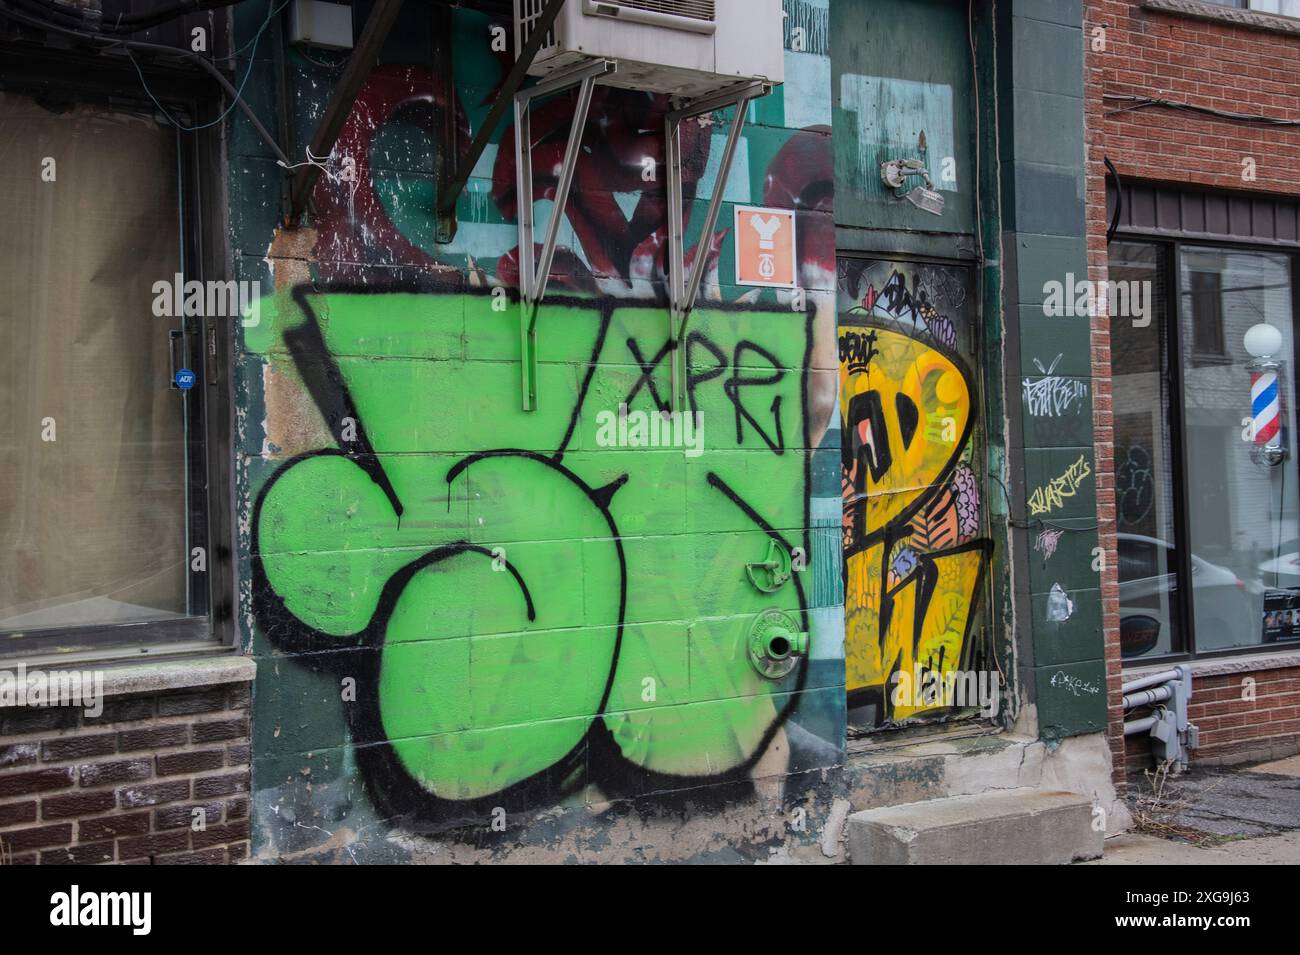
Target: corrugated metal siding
point(1156, 209)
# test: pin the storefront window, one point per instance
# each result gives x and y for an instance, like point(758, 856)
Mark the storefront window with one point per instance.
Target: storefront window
point(102, 474)
point(1150, 621)
point(1241, 510)
point(1206, 481)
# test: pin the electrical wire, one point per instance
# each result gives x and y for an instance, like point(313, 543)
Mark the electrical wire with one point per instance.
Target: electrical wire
point(257, 35)
point(1037, 522)
point(1147, 102)
point(123, 23)
point(1119, 199)
point(979, 142)
point(239, 92)
point(333, 67)
point(107, 43)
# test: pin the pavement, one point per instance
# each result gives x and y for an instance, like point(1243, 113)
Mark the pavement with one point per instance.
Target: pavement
point(1239, 816)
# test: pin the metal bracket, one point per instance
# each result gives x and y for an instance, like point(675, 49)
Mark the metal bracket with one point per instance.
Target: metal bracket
point(533, 277)
point(777, 566)
point(449, 193)
point(683, 290)
point(895, 173)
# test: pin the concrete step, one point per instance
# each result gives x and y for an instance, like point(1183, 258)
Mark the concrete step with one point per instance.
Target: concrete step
point(1006, 827)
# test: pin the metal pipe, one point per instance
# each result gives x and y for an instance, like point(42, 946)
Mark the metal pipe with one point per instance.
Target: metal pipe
point(1153, 679)
point(1143, 725)
point(559, 82)
point(721, 100)
point(1146, 697)
point(715, 204)
point(562, 188)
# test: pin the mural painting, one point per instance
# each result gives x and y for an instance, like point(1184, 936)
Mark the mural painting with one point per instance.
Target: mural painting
point(512, 610)
point(916, 553)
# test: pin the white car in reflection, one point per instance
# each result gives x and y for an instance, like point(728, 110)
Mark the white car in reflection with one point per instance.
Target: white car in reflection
point(1228, 609)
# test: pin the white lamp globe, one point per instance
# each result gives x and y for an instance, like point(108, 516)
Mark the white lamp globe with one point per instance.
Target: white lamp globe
point(1262, 340)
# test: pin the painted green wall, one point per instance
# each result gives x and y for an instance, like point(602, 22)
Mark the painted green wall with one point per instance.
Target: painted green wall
point(1041, 100)
point(461, 608)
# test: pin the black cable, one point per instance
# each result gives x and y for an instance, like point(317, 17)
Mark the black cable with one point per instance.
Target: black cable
point(180, 9)
point(42, 10)
point(104, 43)
point(1146, 102)
point(124, 24)
point(1119, 198)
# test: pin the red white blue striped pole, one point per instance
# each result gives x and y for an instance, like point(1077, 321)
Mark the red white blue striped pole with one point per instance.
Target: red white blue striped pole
point(1262, 342)
point(1265, 403)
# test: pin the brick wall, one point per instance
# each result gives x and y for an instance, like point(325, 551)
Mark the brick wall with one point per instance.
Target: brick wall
point(124, 787)
point(1200, 63)
point(1235, 729)
point(1161, 55)
point(1102, 417)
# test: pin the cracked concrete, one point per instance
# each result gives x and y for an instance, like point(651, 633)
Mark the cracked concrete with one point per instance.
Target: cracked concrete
point(1260, 801)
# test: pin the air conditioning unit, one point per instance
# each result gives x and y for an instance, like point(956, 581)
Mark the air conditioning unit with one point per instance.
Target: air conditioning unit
point(682, 47)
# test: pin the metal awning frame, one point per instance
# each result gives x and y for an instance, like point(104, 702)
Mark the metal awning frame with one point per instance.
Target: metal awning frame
point(535, 272)
point(535, 275)
point(683, 290)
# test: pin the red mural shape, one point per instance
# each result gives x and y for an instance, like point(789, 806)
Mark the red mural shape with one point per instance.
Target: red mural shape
point(622, 155)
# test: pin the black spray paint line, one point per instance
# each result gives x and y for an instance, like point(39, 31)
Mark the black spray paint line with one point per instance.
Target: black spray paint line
point(321, 374)
point(391, 787)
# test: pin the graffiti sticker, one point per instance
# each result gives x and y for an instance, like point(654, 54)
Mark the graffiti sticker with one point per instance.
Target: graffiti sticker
point(765, 246)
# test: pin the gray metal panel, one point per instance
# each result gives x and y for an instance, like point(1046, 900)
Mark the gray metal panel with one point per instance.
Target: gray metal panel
point(1172, 210)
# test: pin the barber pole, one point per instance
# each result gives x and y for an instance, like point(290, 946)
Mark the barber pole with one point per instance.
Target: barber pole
point(1266, 410)
point(1262, 342)
point(1265, 405)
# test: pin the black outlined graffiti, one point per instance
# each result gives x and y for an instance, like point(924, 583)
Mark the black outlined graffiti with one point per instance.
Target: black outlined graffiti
point(597, 757)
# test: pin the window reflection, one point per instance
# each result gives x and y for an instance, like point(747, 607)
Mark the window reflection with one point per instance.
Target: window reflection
point(1144, 477)
point(1241, 511)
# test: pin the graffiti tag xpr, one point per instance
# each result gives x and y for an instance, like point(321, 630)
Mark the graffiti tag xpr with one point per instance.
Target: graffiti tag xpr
point(373, 558)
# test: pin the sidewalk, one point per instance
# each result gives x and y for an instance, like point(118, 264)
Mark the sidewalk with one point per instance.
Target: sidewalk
point(1139, 849)
point(1254, 812)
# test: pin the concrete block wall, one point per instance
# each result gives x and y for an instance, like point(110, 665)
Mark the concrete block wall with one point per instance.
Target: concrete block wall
point(466, 613)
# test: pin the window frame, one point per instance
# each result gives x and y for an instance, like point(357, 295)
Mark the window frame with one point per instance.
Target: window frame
point(1170, 250)
point(192, 97)
point(1246, 5)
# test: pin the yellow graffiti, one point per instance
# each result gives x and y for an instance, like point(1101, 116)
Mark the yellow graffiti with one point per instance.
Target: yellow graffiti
point(912, 564)
point(1052, 496)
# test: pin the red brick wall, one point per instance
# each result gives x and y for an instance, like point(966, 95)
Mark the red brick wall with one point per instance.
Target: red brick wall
point(1167, 56)
point(1234, 729)
point(1103, 423)
point(1201, 63)
point(123, 787)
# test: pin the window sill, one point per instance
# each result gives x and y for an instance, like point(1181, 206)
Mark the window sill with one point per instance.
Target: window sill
point(1221, 666)
point(1232, 16)
point(157, 676)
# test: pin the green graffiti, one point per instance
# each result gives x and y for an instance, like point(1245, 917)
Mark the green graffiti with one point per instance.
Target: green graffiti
point(521, 585)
